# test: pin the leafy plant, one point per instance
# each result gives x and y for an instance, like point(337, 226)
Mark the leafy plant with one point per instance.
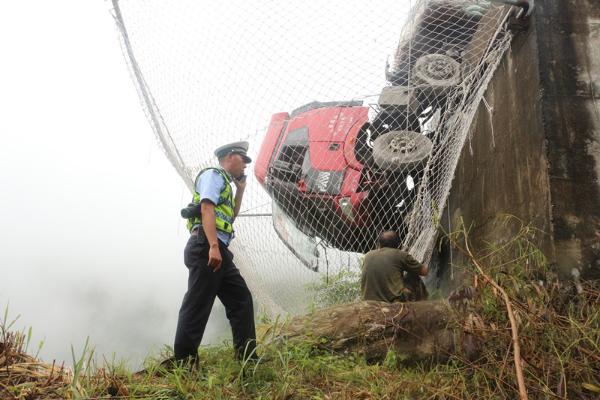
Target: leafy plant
point(342, 287)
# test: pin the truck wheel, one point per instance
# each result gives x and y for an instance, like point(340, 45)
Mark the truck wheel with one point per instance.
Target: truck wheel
point(401, 150)
point(437, 70)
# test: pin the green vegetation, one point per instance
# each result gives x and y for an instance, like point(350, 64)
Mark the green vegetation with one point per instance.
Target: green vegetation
point(558, 333)
point(341, 287)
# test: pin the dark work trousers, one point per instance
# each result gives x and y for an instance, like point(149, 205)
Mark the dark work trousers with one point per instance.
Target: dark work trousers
point(203, 286)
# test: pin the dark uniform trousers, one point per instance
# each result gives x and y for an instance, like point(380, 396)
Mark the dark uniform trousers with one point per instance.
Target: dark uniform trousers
point(203, 286)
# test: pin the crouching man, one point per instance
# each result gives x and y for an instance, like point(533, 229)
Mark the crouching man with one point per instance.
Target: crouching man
point(390, 274)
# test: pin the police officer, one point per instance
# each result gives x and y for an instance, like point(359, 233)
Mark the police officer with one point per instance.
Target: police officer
point(210, 264)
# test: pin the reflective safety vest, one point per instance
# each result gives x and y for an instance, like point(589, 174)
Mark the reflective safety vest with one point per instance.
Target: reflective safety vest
point(224, 208)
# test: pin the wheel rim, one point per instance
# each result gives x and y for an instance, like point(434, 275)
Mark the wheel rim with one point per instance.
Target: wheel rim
point(438, 69)
point(401, 150)
point(402, 145)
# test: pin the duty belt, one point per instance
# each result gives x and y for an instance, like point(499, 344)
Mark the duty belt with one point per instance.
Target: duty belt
point(195, 231)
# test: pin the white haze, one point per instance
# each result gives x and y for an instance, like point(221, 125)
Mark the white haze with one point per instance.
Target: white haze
point(90, 239)
point(91, 242)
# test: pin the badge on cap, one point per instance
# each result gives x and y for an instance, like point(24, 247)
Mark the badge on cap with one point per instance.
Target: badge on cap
point(240, 148)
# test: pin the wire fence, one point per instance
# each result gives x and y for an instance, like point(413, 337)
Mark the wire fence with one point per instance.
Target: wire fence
point(356, 113)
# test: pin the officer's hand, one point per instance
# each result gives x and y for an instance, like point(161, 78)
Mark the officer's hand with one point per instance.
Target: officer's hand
point(240, 182)
point(214, 258)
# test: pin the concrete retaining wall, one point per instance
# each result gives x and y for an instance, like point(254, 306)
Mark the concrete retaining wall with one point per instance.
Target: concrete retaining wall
point(536, 154)
point(568, 34)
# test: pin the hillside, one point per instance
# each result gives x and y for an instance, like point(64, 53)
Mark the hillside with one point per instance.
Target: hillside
point(556, 336)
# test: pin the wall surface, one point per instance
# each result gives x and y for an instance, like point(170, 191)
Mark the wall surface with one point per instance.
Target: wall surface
point(503, 169)
point(569, 57)
point(535, 152)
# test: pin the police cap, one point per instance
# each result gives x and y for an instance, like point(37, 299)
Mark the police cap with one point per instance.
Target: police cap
point(240, 148)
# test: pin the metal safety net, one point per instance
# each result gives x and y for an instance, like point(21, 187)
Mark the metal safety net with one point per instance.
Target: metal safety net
point(356, 113)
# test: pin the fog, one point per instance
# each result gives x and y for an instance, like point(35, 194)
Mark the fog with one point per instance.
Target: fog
point(91, 243)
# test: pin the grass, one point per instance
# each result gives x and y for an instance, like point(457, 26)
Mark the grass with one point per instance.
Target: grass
point(338, 288)
point(558, 333)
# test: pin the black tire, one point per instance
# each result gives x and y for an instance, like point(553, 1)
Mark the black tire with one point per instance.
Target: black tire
point(401, 150)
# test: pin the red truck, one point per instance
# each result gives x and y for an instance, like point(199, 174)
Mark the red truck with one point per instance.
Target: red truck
point(342, 176)
point(318, 165)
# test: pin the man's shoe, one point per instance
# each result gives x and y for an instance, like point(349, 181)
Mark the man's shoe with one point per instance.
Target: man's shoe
point(169, 365)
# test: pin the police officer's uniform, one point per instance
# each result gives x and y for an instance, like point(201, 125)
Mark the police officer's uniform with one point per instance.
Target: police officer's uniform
point(204, 284)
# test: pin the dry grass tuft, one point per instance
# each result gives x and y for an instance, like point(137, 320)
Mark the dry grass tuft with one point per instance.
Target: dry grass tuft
point(24, 377)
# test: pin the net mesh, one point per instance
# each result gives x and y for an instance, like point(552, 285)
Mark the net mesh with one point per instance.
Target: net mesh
point(356, 113)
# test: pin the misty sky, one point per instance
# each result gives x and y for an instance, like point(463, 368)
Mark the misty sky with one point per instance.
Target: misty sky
point(217, 71)
point(90, 240)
